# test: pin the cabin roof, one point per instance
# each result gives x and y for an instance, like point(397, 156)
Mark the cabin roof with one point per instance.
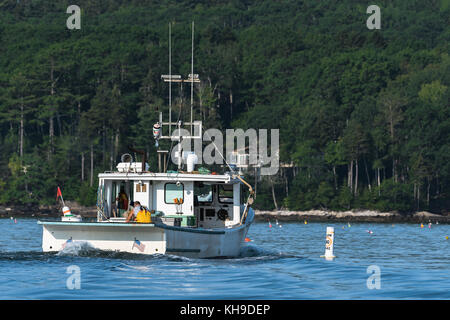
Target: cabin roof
point(215, 178)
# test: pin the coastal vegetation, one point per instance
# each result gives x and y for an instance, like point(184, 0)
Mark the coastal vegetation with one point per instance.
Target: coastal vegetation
point(364, 115)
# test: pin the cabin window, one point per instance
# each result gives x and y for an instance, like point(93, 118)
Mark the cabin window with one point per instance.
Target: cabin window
point(203, 192)
point(226, 193)
point(173, 191)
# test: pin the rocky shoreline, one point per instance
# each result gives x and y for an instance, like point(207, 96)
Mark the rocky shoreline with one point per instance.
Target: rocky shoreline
point(350, 216)
point(45, 211)
point(280, 215)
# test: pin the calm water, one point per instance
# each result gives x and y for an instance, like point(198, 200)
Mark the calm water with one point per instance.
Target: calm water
point(279, 263)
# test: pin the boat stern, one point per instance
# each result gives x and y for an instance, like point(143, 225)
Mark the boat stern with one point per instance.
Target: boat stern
point(132, 238)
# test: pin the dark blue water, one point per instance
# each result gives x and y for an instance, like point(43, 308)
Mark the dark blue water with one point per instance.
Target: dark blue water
point(279, 263)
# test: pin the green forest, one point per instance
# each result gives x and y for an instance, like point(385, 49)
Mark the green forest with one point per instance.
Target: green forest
point(364, 115)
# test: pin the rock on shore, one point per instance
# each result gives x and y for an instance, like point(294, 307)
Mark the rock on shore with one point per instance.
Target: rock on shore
point(348, 216)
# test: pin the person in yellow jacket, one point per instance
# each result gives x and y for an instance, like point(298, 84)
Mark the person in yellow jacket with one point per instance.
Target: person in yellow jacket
point(139, 214)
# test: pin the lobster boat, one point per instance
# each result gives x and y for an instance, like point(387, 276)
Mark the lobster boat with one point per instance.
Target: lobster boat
point(192, 213)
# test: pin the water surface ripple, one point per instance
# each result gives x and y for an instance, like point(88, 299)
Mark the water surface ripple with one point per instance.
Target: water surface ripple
point(279, 263)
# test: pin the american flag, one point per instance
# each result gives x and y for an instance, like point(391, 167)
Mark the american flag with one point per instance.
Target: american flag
point(65, 243)
point(138, 245)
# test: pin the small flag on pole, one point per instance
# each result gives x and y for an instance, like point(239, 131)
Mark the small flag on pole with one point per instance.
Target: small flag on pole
point(58, 193)
point(65, 243)
point(139, 245)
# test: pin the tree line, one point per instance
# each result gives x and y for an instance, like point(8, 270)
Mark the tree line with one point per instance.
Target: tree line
point(363, 114)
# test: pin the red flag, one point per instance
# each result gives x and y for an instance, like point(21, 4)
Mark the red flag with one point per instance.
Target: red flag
point(58, 193)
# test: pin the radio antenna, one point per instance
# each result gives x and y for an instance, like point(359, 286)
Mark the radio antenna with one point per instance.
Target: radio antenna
point(170, 78)
point(192, 78)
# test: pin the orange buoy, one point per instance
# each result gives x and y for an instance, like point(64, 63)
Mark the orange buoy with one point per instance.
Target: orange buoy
point(247, 239)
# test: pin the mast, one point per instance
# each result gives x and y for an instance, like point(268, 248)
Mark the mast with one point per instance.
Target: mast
point(170, 77)
point(192, 77)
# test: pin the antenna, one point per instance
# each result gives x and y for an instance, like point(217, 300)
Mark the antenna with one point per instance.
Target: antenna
point(170, 78)
point(192, 77)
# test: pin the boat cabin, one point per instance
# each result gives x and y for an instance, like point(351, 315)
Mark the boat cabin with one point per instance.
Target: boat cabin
point(178, 199)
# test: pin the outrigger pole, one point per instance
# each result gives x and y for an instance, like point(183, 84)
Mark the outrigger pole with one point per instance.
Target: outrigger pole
point(250, 198)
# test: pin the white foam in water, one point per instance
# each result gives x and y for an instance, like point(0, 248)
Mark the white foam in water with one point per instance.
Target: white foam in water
point(141, 268)
point(76, 248)
point(252, 251)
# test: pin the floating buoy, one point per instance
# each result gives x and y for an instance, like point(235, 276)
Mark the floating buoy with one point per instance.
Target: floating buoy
point(276, 221)
point(369, 231)
point(247, 239)
point(270, 225)
point(421, 225)
point(429, 225)
point(329, 245)
point(66, 211)
point(306, 222)
point(15, 221)
point(157, 133)
point(11, 218)
point(446, 238)
point(348, 224)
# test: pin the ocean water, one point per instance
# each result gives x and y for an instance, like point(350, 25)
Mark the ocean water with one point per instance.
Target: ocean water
point(279, 263)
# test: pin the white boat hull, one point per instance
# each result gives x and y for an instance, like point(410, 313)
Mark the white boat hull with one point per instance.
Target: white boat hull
point(198, 243)
point(104, 236)
point(147, 238)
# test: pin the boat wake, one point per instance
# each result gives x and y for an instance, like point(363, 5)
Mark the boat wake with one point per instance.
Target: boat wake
point(24, 256)
point(78, 248)
point(85, 249)
point(250, 252)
